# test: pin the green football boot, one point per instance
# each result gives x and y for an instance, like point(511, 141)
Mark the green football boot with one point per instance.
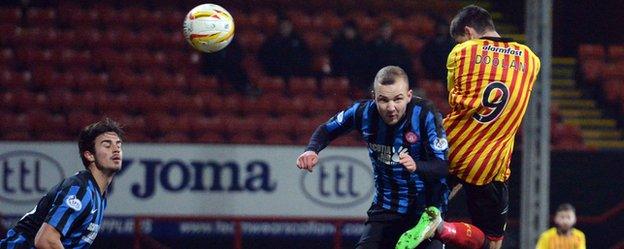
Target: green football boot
point(426, 228)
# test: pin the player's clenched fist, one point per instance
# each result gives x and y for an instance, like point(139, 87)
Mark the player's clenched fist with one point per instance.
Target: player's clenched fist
point(307, 160)
point(407, 161)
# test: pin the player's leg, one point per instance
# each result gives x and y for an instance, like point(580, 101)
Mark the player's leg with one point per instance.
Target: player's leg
point(431, 244)
point(425, 229)
point(380, 234)
point(488, 206)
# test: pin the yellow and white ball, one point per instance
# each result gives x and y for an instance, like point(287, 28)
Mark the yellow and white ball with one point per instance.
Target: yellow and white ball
point(209, 28)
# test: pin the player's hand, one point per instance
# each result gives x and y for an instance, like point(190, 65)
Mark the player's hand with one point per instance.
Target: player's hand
point(307, 160)
point(407, 161)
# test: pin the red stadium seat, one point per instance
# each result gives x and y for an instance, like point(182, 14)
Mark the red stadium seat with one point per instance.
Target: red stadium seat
point(61, 100)
point(235, 124)
point(215, 124)
point(244, 138)
point(265, 19)
point(326, 21)
point(283, 125)
point(10, 79)
point(86, 81)
point(184, 122)
point(17, 136)
point(250, 41)
point(592, 70)
point(613, 71)
point(142, 101)
point(612, 90)
point(277, 139)
point(265, 104)
point(115, 18)
point(19, 100)
point(75, 16)
point(7, 56)
point(303, 86)
point(172, 99)
point(421, 25)
point(616, 53)
point(45, 17)
point(175, 137)
point(338, 87)
point(76, 120)
point(158, 122)
point(201, 83)
point(317, 42)
point(10, 15)
point(229, 105)
point(209, 137)
point(305, 127)
point(591, 52)
point(292, 106)
point(271, 84)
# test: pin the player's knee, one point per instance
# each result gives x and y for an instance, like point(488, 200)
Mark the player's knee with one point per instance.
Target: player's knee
point(496, 244)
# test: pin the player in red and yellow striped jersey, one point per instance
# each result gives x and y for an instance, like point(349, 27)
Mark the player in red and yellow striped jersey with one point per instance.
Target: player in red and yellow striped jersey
point(490, 80)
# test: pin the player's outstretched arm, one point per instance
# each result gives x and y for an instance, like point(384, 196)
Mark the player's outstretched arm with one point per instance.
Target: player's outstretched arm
point(48, 238)
point(307, 160)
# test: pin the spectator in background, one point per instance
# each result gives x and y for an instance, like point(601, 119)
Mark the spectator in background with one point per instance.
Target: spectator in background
point(384, 51)
point(436, 51)
point(563, 235)
point(226, 65)
point(349, 57)
point(285, 53)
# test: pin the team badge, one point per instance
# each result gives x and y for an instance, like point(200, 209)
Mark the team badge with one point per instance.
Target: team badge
point(340, 117)
point(73, 202)
point(411, 137)
point(440, 144)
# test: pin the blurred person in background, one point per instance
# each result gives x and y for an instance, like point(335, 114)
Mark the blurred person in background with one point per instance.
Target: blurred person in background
point(349, 57)
point(436, 51)
point(226, 65)
point(383, 51)
point(285, 53)
point(563, 235)
point(70, 215)
point(407, 147)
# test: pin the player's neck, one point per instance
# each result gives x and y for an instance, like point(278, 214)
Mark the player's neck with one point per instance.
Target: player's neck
point(564, 232)
point(490, 33)
point(103, 179)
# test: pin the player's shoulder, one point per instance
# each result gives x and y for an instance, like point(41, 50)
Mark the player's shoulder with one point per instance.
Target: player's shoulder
point(80, 179)
point(525, 48)
point(578, 233)
point(423, 103)
point(461, 46)
point(550, 232)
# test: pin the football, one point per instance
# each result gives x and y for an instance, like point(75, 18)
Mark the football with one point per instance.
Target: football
point(208, 28)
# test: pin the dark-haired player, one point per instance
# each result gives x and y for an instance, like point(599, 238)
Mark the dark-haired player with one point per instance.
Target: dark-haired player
point(490, 80)
point(70, 214)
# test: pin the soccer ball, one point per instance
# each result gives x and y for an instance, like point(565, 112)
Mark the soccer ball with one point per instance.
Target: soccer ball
point(209, 28)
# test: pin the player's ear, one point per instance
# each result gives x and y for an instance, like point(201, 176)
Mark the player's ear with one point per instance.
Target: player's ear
point(469, 32)
point(89, 156)
point(410, 93)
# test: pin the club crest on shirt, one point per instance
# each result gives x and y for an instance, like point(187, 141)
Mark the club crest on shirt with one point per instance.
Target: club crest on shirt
point(340, 117)
point(440, 144)
point(73, 202)
point(411, 137)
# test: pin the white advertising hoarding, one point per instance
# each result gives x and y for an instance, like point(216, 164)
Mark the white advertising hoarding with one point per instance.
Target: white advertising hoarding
point(223, 180)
